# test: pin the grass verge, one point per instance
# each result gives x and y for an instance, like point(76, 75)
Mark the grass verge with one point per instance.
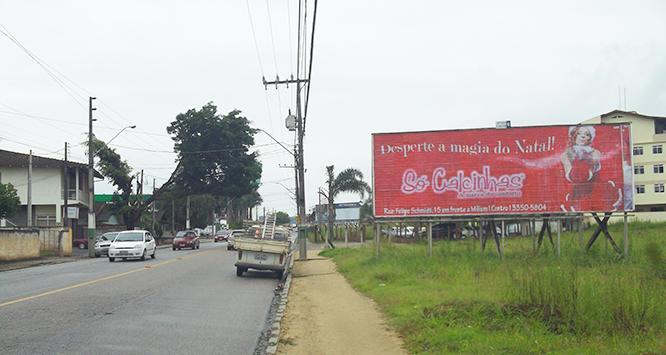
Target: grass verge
point(462, 300)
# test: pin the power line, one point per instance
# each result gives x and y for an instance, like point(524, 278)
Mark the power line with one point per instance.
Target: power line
point(191, 152)
point(307, 93)
point(40, 62)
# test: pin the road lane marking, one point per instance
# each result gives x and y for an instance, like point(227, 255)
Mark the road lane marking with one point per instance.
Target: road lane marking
point(110, 277)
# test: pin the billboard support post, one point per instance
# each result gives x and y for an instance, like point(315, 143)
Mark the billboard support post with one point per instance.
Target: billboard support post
point(602, 228)
point(377, 231)
point(483, 237)
point(545, 227)
point(559, 231)
point(346, 235)
point(581, 242)
point(503, 238)
point(430, 239)
point(498, 244)
point(626, 236)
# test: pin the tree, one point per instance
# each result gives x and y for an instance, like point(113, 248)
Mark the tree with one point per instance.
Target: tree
point(213, 153)
point(282, 218)
point(9, 200)
point(124, 203)
point(349, 180)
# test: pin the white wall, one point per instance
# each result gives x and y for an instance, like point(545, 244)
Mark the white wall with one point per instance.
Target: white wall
point(46, 184)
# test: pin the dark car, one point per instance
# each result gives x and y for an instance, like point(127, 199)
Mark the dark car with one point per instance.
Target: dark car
point(221, 236)
point(81, 242)
point(185, 239)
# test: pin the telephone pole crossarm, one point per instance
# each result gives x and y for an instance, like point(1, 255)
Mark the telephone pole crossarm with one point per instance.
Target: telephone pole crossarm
point(278, 81)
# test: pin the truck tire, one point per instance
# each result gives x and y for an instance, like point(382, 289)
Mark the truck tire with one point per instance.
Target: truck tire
point(239, 271)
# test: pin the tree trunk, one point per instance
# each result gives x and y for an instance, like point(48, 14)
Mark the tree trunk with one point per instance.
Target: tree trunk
point(331, 218)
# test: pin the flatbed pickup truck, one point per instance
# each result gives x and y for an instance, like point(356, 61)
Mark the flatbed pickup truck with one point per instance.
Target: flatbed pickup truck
point(262, 254)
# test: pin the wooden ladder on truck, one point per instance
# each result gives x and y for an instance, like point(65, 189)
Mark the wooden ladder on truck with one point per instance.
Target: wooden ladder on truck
point(269, 226)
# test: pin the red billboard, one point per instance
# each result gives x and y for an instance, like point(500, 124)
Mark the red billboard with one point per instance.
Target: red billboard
point(520, 170)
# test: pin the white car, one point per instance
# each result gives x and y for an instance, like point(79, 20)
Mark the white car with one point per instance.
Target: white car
point(132, 244)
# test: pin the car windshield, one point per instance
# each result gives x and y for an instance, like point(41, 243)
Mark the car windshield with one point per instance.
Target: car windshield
point(129, 237)
point(108, 236)
point(180, 234)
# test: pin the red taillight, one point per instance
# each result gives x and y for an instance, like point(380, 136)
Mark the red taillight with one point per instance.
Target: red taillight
point(240, 254)
point(281, 258)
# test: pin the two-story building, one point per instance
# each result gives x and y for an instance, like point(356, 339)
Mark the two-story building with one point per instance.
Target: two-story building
point(648, 135)
point(48, 192)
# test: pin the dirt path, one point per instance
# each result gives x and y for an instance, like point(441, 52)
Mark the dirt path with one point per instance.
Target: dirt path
point(326, 316)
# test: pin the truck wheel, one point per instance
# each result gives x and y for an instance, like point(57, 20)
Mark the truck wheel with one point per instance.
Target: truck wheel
point(280, 274)
point(239, 271)
point(112, 259)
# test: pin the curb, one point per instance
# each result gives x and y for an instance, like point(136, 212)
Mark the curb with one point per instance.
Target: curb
point(282, 299)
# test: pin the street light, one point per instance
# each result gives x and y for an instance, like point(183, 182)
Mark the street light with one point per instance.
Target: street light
point(121, 131)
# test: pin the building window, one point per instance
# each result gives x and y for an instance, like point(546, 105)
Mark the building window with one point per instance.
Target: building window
point(640, 189)
point(658, 168)
point(656, 149)
point(659, 126)
point(638, 150)
point(659, 188)
point(639, 169)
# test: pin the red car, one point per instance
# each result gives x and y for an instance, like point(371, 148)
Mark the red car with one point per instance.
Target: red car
point(221, 236)
point(185, 239)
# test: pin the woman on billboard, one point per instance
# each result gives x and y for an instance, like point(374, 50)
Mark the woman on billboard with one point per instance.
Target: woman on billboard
point(583, 170)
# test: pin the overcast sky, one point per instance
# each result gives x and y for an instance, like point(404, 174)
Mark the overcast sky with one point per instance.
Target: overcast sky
point(379, 66)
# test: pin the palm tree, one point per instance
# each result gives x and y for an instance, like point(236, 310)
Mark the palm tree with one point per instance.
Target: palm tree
point(349, 180)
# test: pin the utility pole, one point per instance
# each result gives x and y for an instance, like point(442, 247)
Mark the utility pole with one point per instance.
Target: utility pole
point(91, 181)
point(298, 156)
point(30, 189)
point(152, 225)
point(173, 218)
point(65, 219)
point(187, 220)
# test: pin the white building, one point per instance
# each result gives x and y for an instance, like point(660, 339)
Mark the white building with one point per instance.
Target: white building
point(47, 189)
point(648, 134)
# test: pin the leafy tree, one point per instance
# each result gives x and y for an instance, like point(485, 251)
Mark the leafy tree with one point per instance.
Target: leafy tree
point(349, 180)
point(213, 153)
point(9, 200)
point(282, 218)
point(131, 206)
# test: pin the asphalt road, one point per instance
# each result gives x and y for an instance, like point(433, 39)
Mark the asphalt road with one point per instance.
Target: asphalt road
point(183, 302)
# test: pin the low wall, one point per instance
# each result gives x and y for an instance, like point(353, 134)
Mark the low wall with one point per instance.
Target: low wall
point(19, 244)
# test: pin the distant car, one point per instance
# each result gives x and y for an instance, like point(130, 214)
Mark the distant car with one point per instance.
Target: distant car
point(81, 242)
point(103, 243)
point(232, 235)
point(185, 239)
point(132, 244)
point(221, 236)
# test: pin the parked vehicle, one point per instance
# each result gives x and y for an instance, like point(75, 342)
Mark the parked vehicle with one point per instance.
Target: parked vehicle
point(232, 237)
point(103, 243)
point(262, 254)
point(185, 239)
point(132, 244)
point(221, 236)
point(80, 242)
point(270, 250)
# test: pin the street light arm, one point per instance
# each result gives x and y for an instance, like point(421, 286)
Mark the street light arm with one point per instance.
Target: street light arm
point(114, 137)
point(278, 142)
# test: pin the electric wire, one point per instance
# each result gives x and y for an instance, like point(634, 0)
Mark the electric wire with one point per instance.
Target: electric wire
point(307, 93)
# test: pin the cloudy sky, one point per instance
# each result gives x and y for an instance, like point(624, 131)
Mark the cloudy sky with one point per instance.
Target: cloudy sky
point(379, 66)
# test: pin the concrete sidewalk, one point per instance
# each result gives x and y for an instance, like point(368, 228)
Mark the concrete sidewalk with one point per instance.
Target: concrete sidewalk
point(325, 315)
